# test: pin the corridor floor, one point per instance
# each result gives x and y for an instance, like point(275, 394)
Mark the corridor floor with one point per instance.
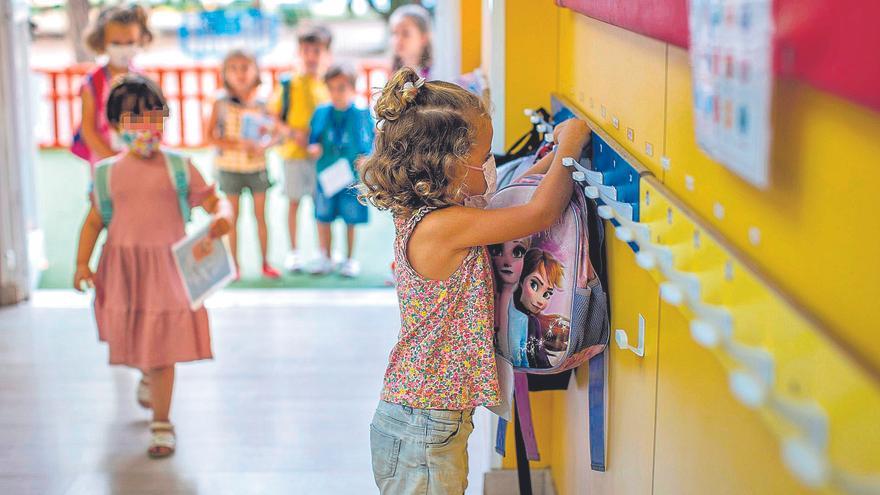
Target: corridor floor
point(284, 408)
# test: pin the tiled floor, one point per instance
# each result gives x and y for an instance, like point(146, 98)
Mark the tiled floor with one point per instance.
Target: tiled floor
point(283, 409)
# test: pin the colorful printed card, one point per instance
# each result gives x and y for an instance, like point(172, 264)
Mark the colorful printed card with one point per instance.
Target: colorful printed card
point(731, 60)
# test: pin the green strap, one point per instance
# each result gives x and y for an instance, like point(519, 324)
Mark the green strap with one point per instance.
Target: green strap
point(102, 189)
point(178, 171)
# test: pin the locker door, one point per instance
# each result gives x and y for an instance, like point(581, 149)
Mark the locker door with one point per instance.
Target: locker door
point(632, 391)
point(707, 442)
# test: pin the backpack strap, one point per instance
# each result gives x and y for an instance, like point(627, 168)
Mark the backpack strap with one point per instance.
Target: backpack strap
point(178, 171)
point(286, 87)
point(101, 189)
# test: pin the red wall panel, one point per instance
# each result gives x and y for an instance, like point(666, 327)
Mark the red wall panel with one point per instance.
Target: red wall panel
point(833, 45)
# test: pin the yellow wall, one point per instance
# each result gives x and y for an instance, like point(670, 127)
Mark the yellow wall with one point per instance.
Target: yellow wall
point(471, 22)
point(805, 293)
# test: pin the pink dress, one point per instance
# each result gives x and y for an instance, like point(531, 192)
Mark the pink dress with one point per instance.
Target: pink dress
point(141, 306)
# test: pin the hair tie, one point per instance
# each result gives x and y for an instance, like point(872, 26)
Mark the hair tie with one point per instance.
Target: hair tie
point(407, 86)
point(380, 124)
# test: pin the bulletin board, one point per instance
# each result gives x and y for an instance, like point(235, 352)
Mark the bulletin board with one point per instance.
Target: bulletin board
point(830, 44)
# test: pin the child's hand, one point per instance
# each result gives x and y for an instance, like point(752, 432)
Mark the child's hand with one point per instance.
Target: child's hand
point(572, 131)
point(315, 150)
point(254, 149)
point(301, 138)
point(83, 275)
point(203, 248)
point(219, 228)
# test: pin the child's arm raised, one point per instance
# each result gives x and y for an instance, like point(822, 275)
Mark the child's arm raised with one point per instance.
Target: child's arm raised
point(88, 236)
point(93, 140)
point(459, 228)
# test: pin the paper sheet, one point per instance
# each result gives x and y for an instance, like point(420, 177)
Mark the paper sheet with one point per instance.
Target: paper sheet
point(205, 265)
point(731, 60)
point(336, 177)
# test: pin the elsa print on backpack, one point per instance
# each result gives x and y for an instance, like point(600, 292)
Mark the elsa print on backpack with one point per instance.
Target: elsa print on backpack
point(551, 309)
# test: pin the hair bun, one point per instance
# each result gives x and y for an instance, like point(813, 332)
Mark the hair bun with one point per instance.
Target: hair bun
point(400, 92)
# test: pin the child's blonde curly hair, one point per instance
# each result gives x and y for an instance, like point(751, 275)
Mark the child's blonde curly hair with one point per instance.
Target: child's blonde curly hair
point(424, 133)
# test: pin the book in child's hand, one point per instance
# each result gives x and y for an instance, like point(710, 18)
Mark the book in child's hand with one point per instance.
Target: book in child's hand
point(256, 127)
point(205, 265)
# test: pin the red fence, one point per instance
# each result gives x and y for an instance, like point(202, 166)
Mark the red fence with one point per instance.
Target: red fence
point(189, 90)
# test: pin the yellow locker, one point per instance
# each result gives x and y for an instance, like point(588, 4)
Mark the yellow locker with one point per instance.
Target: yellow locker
point(744, 378)
point(619, 79)
point(812, 231)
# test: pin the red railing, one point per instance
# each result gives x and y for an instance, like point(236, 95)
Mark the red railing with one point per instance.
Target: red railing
point(189, 90)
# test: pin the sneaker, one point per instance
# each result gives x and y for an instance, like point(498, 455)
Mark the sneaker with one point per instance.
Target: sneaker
point(350, 269)
point(294, 262)
point(338, 261)
point(270, 272)
point(321, 266)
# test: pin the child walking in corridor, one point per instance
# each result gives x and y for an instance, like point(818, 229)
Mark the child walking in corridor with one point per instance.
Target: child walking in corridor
point(120, 32)
point(142, 197)
point(432, 158)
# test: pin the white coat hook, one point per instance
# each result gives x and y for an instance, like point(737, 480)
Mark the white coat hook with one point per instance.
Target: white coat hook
point(712, 325)
point(808, 463)
point(625, 234)
point(548, 138)
point(591, 192)
point(535, 119)
point(809, 417)
point(751, 383)
point(578, 176)
point(623, 342)
point(528, 112)
point(646, 259)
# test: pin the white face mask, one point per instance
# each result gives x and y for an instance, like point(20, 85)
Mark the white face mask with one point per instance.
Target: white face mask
point(490, 174)
point(121, 55)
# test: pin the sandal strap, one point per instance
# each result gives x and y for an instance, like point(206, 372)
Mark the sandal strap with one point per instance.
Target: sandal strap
point(163, 439)
point(162, 435)
point(161, 426)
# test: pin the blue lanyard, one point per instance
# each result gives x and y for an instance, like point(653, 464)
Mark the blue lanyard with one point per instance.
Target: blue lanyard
point(337, 136)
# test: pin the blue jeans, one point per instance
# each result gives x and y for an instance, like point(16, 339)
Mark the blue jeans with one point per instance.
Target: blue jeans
point(420, 451)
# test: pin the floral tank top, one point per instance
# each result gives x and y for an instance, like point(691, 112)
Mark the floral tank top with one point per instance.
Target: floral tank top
point(444, 357)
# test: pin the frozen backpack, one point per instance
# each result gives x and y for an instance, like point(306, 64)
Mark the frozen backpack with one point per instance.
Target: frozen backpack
point(551, 306)
point(178, 173)
point(552, 312)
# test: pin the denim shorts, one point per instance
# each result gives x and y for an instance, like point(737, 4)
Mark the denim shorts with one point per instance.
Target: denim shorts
point(344, 204)
point(420, 451)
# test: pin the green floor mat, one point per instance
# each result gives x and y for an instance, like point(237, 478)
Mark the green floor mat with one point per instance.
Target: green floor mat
point(62, 181)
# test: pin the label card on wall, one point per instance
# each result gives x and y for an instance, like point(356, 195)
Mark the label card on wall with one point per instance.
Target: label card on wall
point(731, 60)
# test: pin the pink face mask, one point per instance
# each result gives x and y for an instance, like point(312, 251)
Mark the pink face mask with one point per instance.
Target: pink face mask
point(490, 174)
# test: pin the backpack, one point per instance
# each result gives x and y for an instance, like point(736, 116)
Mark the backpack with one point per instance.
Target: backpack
point(178, 173)
point(565, 321)
point(99, 89)
point(286, 87)
point(572, 327)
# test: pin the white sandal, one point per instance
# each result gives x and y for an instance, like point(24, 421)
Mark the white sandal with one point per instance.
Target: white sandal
point(144, 398)
point(163, 440)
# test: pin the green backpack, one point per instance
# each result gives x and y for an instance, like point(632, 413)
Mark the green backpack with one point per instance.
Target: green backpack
point(178, 172)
